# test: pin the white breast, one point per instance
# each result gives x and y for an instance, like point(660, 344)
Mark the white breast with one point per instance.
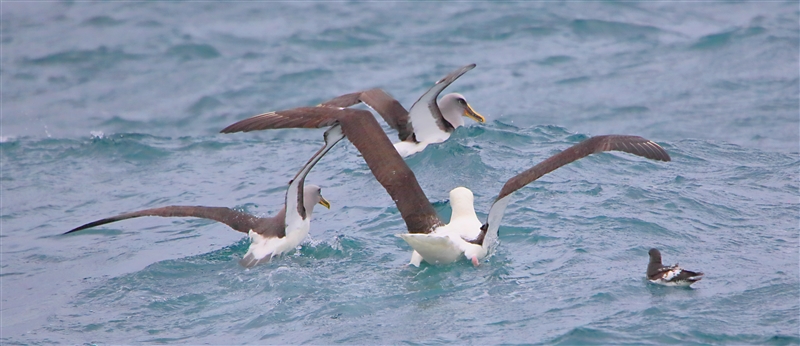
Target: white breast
point(261, 247)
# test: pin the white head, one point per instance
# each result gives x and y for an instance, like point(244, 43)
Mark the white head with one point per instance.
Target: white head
point(312, 195)
point(462, 201)
point(454, 107)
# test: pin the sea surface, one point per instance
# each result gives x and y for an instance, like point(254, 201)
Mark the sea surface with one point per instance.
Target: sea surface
point(110, 107)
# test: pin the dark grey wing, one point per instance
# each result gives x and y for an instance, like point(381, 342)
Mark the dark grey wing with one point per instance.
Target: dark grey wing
point(686, 275)
point(303, 117)
point(390, 170)
point(343, 101)
point(272, 226)
point(361, 128)
point(294, 194)
point(655, 269)
point(663, 273)
point(239, 221)
point(425, 115)
point(391, 110)
point(630, 144)
point(655, 272)
point(387, 107)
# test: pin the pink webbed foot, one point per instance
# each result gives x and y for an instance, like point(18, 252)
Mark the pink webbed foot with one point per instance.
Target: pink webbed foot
point(475, 261)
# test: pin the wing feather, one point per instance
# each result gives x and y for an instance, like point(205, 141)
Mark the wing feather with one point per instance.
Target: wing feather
point(390, 170)
point(303, 117)
point(239, 221)
point(343, 101)
point(425, 115)
point(630, 144)
point(379, 100)
point(390, 110)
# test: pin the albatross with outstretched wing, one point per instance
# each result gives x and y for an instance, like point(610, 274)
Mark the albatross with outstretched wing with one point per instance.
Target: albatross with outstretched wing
point(270, 236)
point(429, 121)
point(432, 240)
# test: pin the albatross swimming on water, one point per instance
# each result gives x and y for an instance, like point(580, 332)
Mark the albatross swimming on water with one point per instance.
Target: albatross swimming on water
point(427, 122)
point(432, 240)
point(270, 236)
point(673, 275)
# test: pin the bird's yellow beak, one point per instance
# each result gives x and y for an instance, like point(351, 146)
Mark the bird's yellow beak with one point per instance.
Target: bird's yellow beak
point(472, 114)
point(324, 202)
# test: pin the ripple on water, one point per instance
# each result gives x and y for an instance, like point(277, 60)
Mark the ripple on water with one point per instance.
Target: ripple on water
point(573, 245)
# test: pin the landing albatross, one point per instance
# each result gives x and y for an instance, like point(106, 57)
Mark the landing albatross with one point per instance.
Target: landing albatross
point(270, 236)
point(433, 241)
point(426, 123)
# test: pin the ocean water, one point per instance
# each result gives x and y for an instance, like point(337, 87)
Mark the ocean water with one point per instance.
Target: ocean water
point(116, 106)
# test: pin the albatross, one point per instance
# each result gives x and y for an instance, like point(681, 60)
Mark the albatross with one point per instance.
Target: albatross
point(429, 121)
point(432, 240)
point(673, 275)
point(270, 236)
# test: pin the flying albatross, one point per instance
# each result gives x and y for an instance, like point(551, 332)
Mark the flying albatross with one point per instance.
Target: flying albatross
point(428, 121)
point(432, 240)
point(673, 275)
point(270, 236)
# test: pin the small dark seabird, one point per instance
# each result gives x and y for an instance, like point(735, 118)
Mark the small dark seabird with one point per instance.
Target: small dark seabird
point(669, 276)
point(428, 121)
point(270, 236)
point(432, 240)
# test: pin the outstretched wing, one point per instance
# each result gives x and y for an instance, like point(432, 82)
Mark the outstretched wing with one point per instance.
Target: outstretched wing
point(426, 117)
point(294, 195)
point(343, 101)
point(303, 117)
point(389, 109)
point(361, 128)
point(390, 170)
point(239, 221)
point(630, 144)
